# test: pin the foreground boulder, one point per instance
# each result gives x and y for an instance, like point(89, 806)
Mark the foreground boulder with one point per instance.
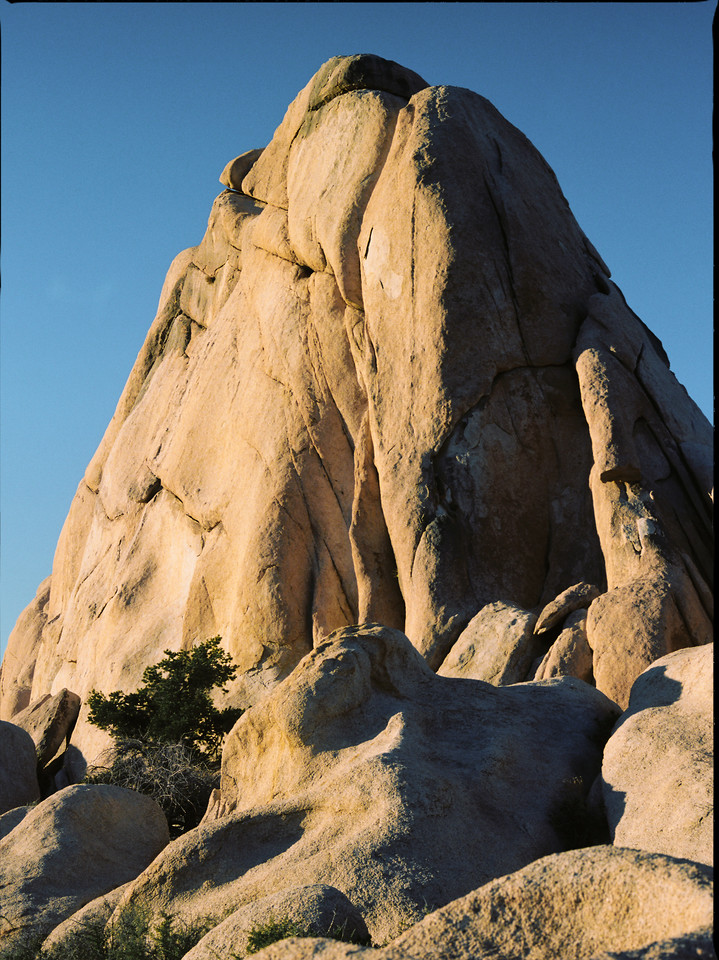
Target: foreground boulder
point(592, 904)
point(71, 937)
point(572, 905)
point(366, 771)
point(18, 768)
point(393, 383)
point(658, 767)
point(697, 945)
point(73, 847)
point(317, 909)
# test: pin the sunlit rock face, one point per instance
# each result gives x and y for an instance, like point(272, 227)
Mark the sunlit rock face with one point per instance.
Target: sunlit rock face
point(393, 383)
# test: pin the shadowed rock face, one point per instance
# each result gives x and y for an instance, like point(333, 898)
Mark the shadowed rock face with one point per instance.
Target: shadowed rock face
point(393, 383)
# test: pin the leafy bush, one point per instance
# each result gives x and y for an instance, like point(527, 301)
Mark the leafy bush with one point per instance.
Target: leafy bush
point(132, 937)
point(174, 705)
point(263, 934)
point(168, 734)
point(178, 781)
point(28, 949)
point(170, 939)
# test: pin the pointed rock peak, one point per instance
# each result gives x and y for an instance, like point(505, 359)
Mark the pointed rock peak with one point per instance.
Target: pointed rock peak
point(363, 71)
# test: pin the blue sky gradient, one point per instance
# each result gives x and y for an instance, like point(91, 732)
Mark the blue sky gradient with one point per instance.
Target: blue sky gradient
point(119, 117)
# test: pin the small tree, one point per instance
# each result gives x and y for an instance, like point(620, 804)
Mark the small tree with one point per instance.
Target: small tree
point(168, 734)
point(174, 705)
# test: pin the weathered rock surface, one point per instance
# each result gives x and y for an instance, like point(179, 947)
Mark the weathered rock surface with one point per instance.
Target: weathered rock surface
point(577, 597)
point(312, 948)
point(317, 908)
point(18, 664)
point(572, 905)
point(237, 169)
point(585, 904)
point(393, 383)
point(570, 655)
point(73, 847)
point(698, 945)
point(658, 768)
point(18, 768)
point(365, 771)
point(652, 521)
point(9, 820)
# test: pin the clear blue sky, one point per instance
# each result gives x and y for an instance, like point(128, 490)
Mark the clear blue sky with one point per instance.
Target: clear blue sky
point(119, 117)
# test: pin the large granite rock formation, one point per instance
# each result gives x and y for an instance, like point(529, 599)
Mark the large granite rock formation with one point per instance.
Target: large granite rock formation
point(393, 383)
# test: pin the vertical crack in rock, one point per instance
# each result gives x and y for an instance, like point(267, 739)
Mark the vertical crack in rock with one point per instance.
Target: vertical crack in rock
point(501, 223)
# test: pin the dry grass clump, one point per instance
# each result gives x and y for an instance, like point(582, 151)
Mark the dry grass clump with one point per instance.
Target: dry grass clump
point(176, 778)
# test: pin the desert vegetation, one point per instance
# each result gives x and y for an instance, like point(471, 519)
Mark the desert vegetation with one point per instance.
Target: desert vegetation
point(132, 936)
point(168, 734)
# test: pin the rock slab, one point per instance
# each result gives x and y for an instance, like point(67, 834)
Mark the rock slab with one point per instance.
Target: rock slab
point(573, 905)
point(658, 766)
point(50, 721)
point(599, 903)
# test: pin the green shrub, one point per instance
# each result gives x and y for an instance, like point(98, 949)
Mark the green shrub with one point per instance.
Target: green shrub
point(174, 703)
point(168, 734)
point(27, 949)
point(169, 939)
point(263, 934)
point(130, 937)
